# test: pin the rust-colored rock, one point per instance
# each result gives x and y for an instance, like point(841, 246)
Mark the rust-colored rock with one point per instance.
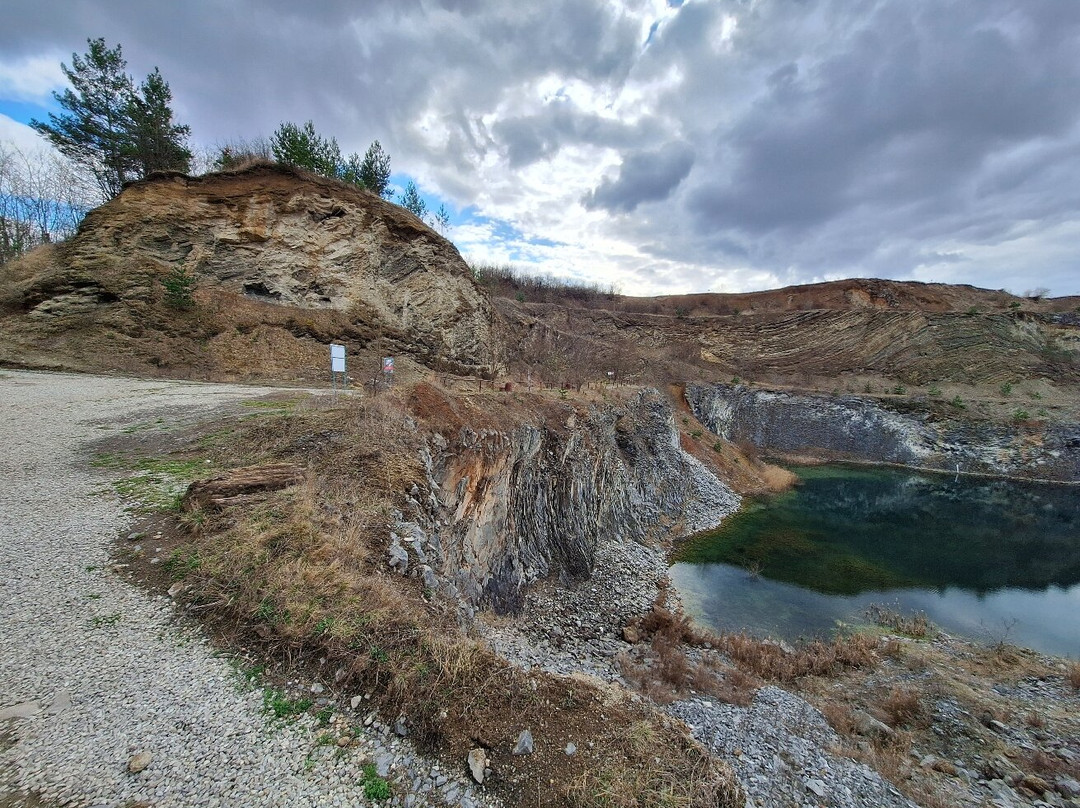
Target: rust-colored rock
point(239, 485)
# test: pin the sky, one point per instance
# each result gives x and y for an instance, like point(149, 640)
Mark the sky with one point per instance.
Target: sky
point(657, 146)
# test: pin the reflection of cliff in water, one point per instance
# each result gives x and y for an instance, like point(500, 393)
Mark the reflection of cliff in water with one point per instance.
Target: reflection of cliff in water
point(848, 530)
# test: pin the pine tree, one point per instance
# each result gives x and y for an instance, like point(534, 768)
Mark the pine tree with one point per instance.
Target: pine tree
point(442, 219)
point(157, 144)
point(94, 132)
point(303, 147)
point(110, 131)
point(411, 201)
point(375, 170)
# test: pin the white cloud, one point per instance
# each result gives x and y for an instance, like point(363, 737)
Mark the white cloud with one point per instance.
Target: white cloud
point(31, 78)
point(21, 136)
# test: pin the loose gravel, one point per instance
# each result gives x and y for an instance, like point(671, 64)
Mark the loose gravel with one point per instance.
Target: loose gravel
point(94, 672)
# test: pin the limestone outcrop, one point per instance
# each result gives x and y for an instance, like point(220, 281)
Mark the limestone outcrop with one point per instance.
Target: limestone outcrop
point(859, 429)
point(506, 509)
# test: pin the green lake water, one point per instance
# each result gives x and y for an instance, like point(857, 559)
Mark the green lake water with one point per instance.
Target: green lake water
point(988, 559)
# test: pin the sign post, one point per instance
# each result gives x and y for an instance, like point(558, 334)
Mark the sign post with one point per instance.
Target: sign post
point(337, 365)
point(388, 370)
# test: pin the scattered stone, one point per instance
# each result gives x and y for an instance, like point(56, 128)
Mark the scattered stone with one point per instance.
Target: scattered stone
point(400, 727)
point(140, 761)
point(869, 727)
point(354, 702)
point(1067, 786)
point(816, 787)
point(398, 555)
point(524, 745)
point(1003, 769)
point(176, 589)
point(478, 762)
point(317, 688)
point(632, 634)
point(1002, 792)
point(571, 749)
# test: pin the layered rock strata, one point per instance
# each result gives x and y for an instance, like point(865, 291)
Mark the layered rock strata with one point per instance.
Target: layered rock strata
point(860, 429)
point(506, 509)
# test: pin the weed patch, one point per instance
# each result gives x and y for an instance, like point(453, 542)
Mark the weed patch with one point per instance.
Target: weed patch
point(279, 706)
point(375, 788)
point(903, 707)
point(916, 625)
point(1072, 675)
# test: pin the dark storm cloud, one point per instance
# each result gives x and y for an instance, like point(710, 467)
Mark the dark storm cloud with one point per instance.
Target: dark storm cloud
point(644, 176)
point(777, 140)
point(909, 111)
point(529, 138)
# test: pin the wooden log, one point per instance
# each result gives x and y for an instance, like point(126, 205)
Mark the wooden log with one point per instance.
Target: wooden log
point(237, 485)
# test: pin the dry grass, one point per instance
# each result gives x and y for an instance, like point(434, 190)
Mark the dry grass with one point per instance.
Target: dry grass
point(1072, 675)
point(1045, 764)
point(840, 717)
point(916, 625)
point(664, 670)
point(903, 707)
point(772, 662)
point(301, 574)
point(778, 479)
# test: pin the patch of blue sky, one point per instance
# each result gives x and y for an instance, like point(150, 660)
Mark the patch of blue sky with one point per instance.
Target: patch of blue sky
point(24, 111)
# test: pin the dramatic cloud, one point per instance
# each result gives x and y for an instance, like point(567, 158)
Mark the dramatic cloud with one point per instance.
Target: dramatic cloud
point(643, 177)
point(660, 146)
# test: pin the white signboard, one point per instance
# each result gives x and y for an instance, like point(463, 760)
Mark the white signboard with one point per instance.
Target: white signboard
point(337, 358)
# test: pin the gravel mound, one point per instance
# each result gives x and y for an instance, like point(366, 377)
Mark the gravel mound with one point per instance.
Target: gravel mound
point(99, 680)
point(777, 747)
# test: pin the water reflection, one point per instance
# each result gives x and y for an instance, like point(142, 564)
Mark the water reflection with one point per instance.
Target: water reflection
point(989, 559)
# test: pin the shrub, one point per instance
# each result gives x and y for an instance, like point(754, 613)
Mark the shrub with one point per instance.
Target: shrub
point(1020, 415)
point(179, 288)
point(902, 706)
point(1006, 389)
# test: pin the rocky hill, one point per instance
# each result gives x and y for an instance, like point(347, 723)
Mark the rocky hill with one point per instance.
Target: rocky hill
point(284, 262)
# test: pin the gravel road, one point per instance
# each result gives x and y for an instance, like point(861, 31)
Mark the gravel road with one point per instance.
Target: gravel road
point(94, 671)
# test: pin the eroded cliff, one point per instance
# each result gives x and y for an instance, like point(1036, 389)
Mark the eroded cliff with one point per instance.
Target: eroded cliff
point(506, 507)
point(860, 429)
point(279, 257)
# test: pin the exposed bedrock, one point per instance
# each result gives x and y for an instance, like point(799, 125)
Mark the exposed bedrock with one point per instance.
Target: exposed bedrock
point(859, 429)
point(508, 508)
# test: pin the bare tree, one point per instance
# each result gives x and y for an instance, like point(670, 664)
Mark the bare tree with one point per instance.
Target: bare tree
point(42, 199)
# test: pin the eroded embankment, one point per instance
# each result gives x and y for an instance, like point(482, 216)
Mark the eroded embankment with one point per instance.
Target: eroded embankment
point(859, 429)
point(507, 507)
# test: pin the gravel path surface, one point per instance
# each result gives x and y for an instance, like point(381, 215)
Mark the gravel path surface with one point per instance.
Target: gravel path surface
point(94, 672)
